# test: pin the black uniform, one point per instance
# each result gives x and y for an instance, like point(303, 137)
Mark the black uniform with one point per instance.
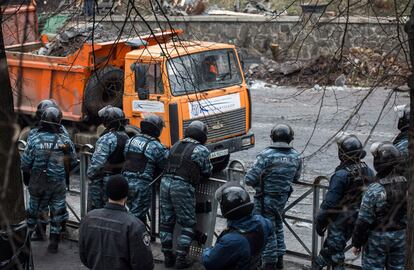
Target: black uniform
point(110, 238)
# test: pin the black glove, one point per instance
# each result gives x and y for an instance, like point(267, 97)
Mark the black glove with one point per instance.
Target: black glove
point(321, 223)
point(26, 178)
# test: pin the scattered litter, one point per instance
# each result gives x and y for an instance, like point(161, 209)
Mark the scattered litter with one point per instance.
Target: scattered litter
point(303, 225)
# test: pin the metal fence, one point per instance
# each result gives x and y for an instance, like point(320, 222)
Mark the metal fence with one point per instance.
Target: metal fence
point(314, 191)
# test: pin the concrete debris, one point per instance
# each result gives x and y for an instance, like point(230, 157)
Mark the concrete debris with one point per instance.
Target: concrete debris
point(72, 39)
point(359, 67)
point(183, 7)
point(259, 7)
point(340, 81)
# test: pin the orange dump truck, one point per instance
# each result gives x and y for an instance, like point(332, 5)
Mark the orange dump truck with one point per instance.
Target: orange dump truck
point(179, 80)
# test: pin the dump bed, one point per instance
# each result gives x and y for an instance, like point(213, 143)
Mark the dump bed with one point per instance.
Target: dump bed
point(66, 79)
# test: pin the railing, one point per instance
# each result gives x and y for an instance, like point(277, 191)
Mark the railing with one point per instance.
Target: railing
point(316, 192)
point(235, 172)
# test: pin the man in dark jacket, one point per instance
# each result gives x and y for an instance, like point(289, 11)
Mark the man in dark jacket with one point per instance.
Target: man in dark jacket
point(339, 209)
point(241, 244)
point(111, 238)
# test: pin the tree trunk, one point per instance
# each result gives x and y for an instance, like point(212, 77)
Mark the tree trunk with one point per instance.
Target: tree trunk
point(410, 199)
point(11, 189)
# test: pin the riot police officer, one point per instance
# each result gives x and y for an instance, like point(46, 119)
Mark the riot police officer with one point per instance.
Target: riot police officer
point(145, 159)
point(240, 245)
point(187, 165)
point(401, 141)
point(41, 107)
point(339, 209)
point(43, 169)
point(40, 232)
point(271, 176)
point(381, 226)
point(108, 157)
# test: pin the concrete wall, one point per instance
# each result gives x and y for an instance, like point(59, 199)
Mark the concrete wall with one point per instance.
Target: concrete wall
point(296, 37)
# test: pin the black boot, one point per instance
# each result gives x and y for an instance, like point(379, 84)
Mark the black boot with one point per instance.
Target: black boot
point(316, 266)
point(169, 259)
point(183, 262)
point(40, 232)
point(269, 266)
point(279, 264)
point(53, 243)
point(64, 231)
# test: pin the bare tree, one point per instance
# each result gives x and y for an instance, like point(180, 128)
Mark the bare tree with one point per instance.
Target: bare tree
point(410, 199)
point(11, 191)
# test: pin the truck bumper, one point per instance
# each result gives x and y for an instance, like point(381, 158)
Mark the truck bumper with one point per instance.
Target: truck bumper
point(228, 146)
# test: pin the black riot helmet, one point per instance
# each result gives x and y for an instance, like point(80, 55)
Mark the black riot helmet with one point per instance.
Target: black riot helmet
point(51, 118)
point(112, 117)
point(197, 130)
point(152, 125)
point(386, 157)
point(282, 133)
point(234, 201)
point(41, 107)
point(350, 148)
point(404, 120)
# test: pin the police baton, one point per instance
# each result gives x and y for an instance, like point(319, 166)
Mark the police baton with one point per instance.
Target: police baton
point(156, 179)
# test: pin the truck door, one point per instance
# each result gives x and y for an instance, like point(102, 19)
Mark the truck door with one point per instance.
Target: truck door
point(150, 96)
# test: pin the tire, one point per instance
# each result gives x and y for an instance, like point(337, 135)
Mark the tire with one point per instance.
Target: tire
point(24, 133)
point(220, 163)
point(104, 87)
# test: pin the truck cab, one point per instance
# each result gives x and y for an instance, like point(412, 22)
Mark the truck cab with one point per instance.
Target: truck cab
point(185, 81)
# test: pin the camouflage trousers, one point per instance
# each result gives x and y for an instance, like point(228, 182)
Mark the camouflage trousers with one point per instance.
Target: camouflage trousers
point(177, 201)
point(339, 233)
point(384, 250)
point(139, 197)
point(273, 209)
point(51, 196)
point(97, 193)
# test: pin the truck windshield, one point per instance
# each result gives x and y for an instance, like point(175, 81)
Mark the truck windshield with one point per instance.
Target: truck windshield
point(203, 71)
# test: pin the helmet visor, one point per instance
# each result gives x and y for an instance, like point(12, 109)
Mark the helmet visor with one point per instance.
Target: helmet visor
point(219, 192)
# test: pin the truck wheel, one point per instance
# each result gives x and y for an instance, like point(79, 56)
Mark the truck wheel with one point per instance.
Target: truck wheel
point(104, 87)
point(24, 133)
point(220, 163)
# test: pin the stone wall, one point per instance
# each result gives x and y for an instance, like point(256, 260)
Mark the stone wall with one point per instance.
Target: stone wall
point(296, 37)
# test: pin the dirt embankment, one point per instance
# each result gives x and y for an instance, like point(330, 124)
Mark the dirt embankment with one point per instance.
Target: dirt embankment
point(359, 67)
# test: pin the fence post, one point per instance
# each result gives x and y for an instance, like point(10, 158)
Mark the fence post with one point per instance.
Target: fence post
point(21, 146)
point(153, 212)
point(316, 203)
point(85, 152)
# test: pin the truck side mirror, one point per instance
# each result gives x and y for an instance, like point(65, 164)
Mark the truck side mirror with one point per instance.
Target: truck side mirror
point(141, 81)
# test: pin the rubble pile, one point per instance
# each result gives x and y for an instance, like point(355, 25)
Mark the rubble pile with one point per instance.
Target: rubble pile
point(359, 67)
point(258, 7)
point(72, 39)
point(183, 7)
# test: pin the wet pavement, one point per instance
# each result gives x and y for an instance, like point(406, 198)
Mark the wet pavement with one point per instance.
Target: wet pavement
point(68, 258)
point(313, 125)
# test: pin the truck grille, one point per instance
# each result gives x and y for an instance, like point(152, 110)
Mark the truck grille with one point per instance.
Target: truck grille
point(223, 125)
